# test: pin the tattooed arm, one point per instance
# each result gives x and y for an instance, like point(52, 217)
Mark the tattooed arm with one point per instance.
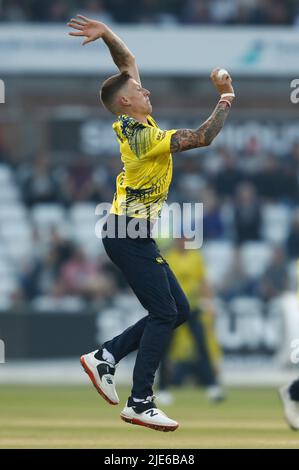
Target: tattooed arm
point(186, 139)
point(121, 55)
point(93, 30)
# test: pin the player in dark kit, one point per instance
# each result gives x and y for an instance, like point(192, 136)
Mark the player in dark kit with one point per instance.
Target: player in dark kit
point(141, 189)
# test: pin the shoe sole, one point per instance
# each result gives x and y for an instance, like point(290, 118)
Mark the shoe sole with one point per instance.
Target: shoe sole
point(285, 417)
point(156, 427)
point(92, 378)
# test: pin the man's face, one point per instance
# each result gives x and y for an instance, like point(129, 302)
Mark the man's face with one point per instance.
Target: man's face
point(136, 98)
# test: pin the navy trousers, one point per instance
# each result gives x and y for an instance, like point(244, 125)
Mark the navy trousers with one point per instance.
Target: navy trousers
point(158, 290)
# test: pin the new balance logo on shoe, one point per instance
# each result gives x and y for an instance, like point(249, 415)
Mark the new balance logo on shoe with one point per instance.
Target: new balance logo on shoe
point(147, 414)
point(151, 413)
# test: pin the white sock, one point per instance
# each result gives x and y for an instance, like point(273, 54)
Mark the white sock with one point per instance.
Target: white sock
point(107, 356)
point(138, 399)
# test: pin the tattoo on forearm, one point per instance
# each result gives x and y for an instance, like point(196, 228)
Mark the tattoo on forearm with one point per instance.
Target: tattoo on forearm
point(186, 139)
point(119, 52)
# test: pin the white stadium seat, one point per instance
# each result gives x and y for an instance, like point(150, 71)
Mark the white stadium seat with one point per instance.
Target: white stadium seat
point(48, 214)
point(255, 258)
point(67, 304)
point(18, 231)
point(8, 285)
point(14, 211)
point(20, 251)
point(219, 257)
point(276, 220)
point(5, 174)
point(82, 212)
point(86, 238)
point(9, 193)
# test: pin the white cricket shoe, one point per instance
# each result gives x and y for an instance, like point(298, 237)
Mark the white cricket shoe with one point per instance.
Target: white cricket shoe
point(146, 414)
point(101, 373)
point(291, 407)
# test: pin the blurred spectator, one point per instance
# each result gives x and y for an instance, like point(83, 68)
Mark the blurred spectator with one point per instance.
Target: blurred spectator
point(40, 276)
point(291, 166)
point(80, 276)
point(96, 9)
point(227, 179)
point(149, 12)
point(292, 244)
point(236, 282)
point(196, 12)
point(275, 279)
point(271, 181)
point(39, 184)
point(212, 221)
point(247, 214)
point(191, 181)
point(223, 11)
point(274, 12)
point(78, 184)
point(14, 11)
point(58, 11)
point(233, 12)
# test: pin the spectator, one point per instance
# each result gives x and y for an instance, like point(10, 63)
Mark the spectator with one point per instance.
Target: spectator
point(223, 11)
point(78, 184)
point(247, 214)
point(212, 221)
point(271, 182)
point(293, 238)
point(227, 179)
point(96, 9)
point(196, 12)
point(275, 279)
point(233, 12)
point(14, 12)
point(59, 11)
point(236, 283)
point(39, 184)
point(81, 277)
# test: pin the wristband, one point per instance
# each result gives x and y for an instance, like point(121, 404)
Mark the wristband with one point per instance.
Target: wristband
point(225, 101)
point(226, 95)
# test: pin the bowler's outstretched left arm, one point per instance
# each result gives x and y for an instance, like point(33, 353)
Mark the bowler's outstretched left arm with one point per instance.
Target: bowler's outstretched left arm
point(120, 53)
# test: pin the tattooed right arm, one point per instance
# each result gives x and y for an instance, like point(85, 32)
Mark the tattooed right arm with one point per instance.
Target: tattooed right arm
point(186, 139)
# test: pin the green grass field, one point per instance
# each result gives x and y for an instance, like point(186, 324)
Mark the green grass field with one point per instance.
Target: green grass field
point(77, 417)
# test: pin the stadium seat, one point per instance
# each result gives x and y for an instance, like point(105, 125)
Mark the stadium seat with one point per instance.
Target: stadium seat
point(5, 174)
point(16, 231)
point(82, 212)
point(19, 253)
point(13, 211)
point(67, 304)
point(219, 257)
point(255, 258)
point(86, 238)
point(6, 268)
point(48, 216)
point(276, 220)
point(45, 215)
point(5, 303)
point(8, 285)
point(293, 275)
point(9, 193)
